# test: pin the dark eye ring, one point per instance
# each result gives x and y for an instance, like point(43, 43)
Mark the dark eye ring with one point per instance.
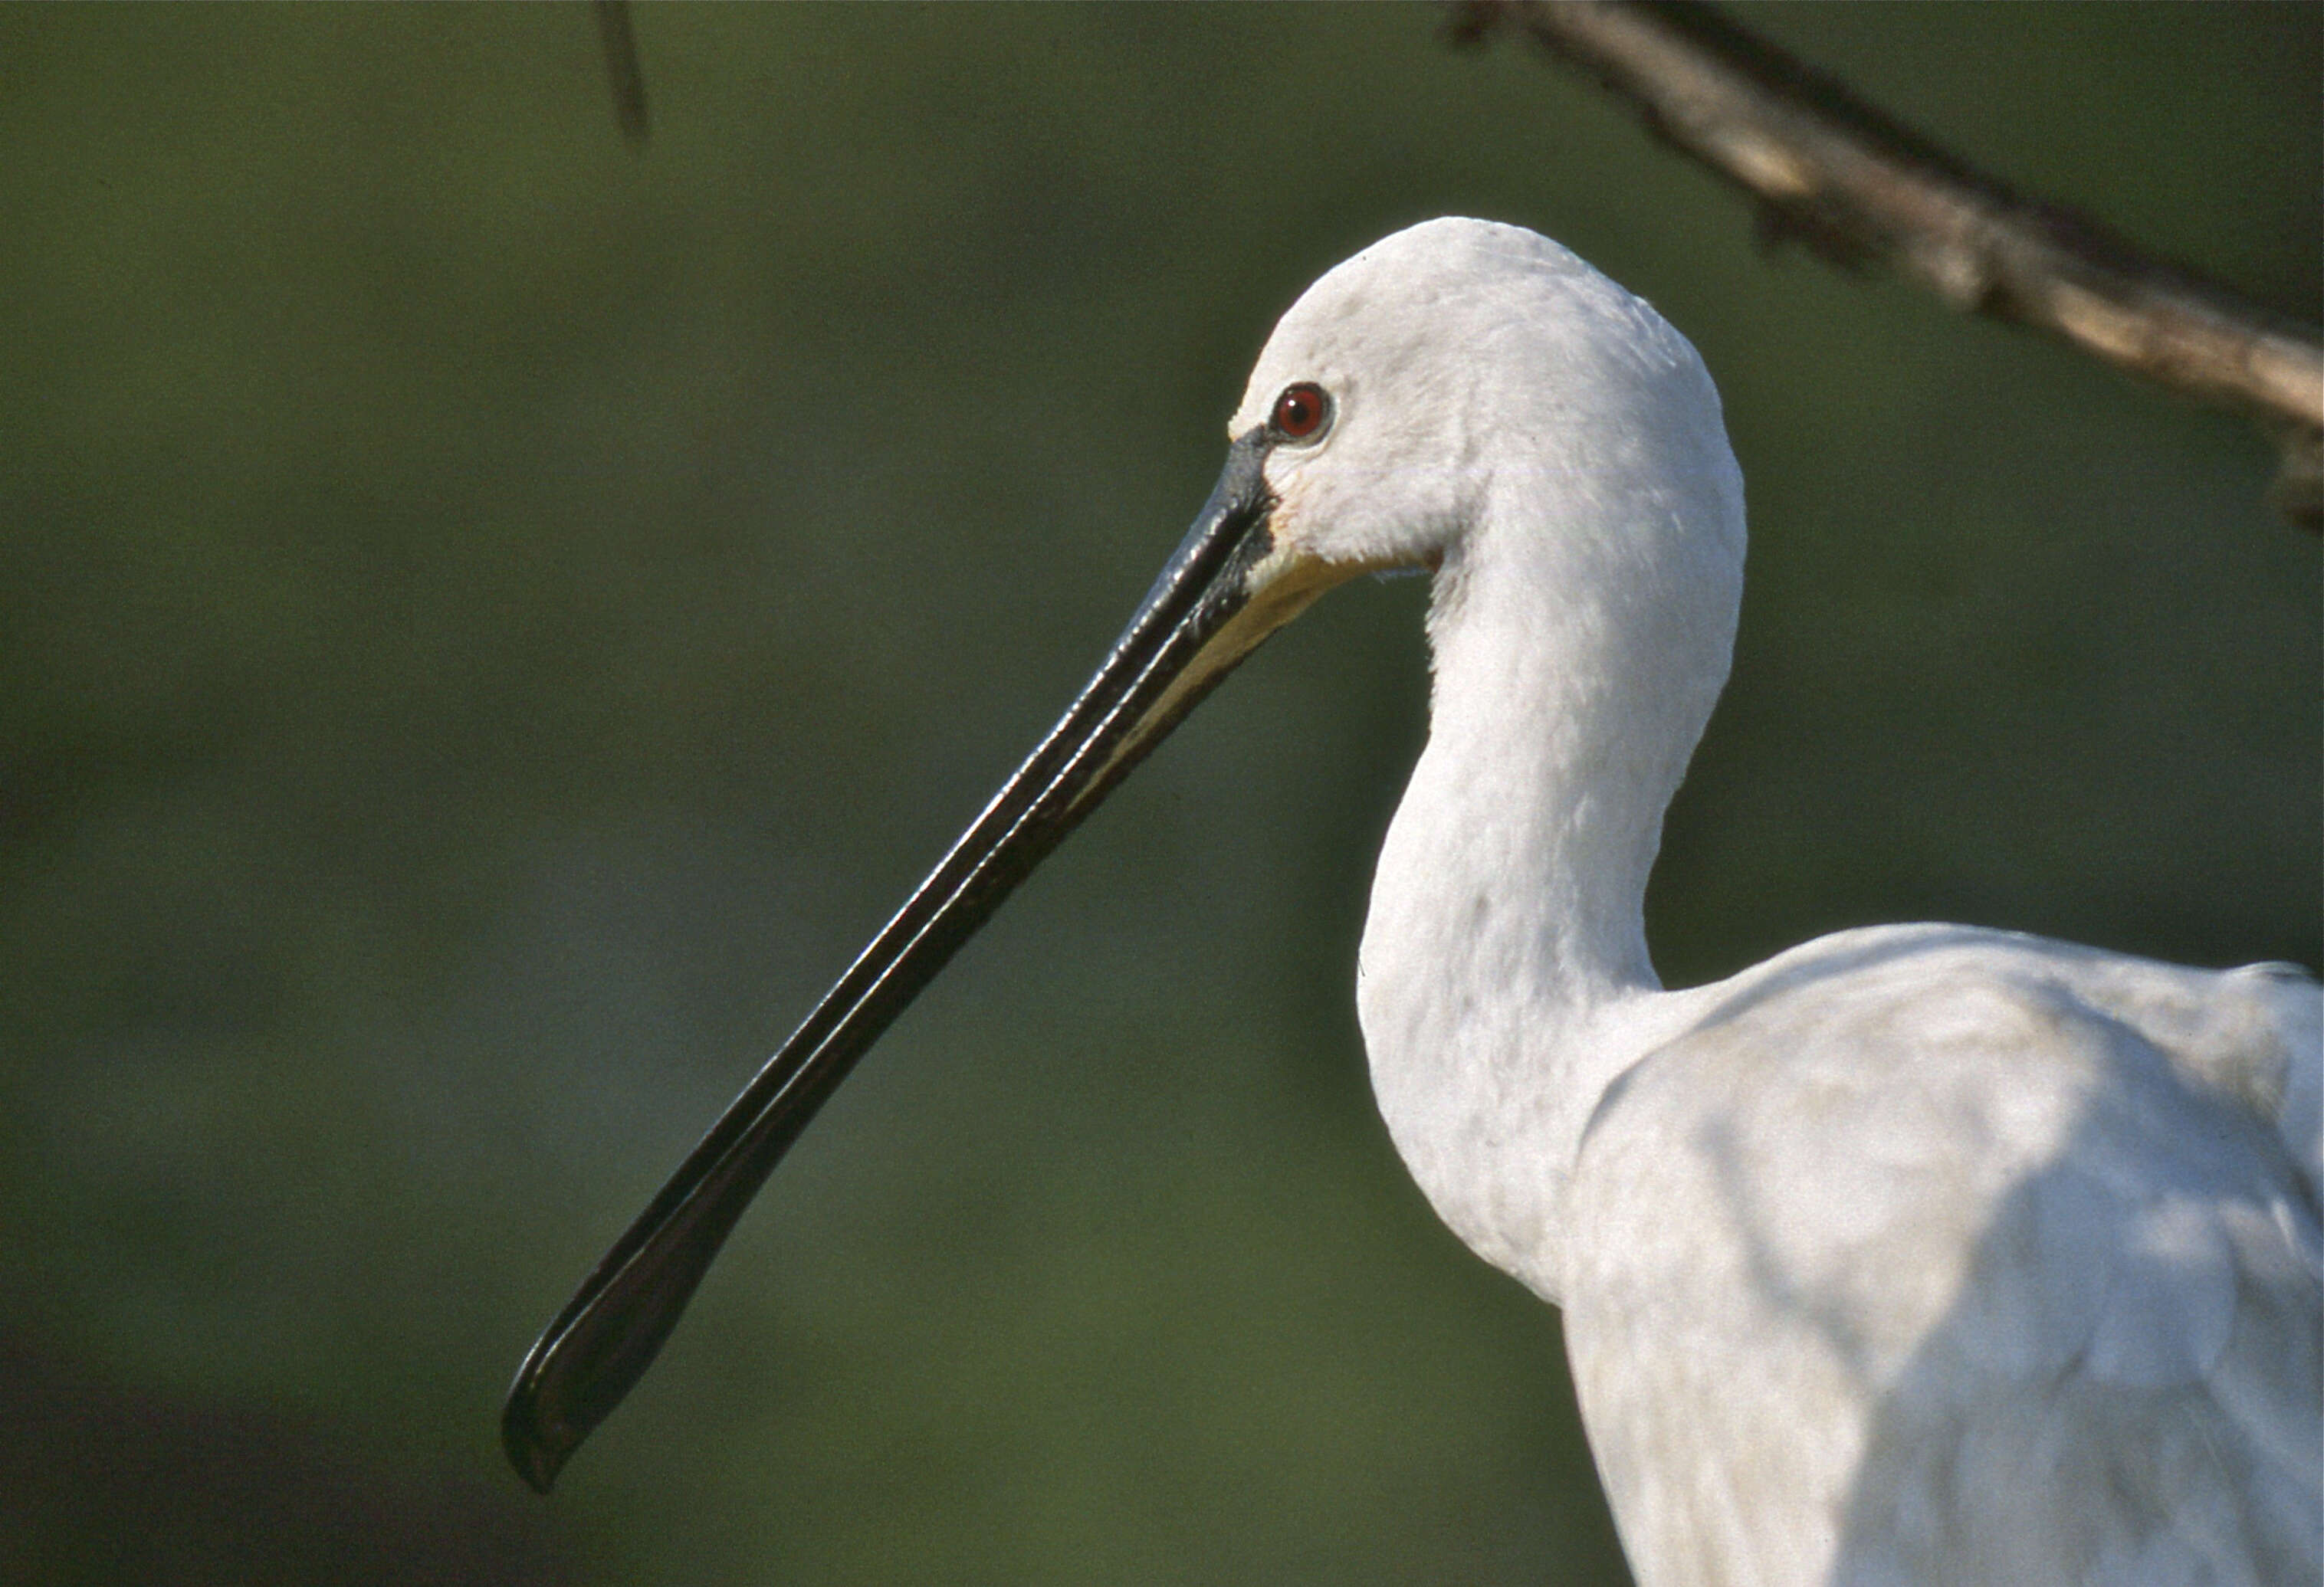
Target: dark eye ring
point(1301, 412)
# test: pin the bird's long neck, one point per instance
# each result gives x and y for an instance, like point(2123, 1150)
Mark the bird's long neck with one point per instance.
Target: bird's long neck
point(1504, 962)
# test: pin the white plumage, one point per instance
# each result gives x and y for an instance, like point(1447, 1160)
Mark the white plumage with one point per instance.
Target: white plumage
point(1916, 1254)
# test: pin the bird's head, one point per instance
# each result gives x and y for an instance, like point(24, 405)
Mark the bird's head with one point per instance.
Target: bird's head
point(1454, 364)
point(1452, 370)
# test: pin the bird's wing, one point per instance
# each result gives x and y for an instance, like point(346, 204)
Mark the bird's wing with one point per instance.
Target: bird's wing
point(1942, 1267)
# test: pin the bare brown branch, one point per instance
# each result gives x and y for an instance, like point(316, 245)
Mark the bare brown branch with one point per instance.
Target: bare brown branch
point(1859, 188)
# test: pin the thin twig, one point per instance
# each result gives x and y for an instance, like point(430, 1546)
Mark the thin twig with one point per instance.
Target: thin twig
point(622, 72)
point(1859, 188)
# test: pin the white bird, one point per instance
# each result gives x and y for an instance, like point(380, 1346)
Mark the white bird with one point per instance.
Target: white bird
point(1916, 1254)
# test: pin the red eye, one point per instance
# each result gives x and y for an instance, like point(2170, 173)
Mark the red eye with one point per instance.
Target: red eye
point(1301, 411)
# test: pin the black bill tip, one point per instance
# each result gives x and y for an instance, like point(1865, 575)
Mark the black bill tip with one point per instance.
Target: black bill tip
point(536, 1451)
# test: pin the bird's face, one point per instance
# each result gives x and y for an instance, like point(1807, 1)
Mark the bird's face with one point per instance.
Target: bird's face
point(1370, 430)
point(1451, 364)
point(1366, 460)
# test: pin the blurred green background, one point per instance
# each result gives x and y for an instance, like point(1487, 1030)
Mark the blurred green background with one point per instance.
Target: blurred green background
point(490, 621)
